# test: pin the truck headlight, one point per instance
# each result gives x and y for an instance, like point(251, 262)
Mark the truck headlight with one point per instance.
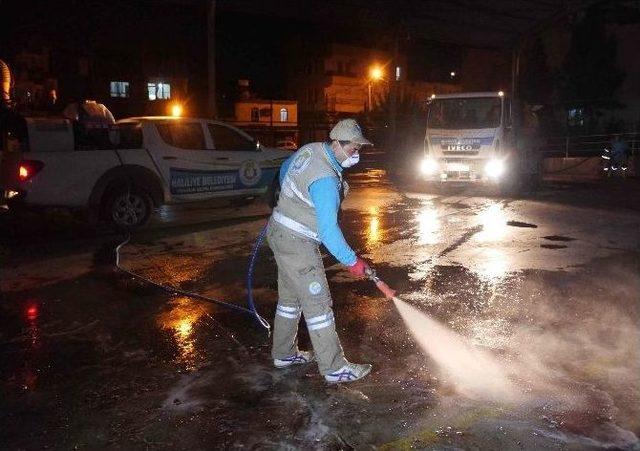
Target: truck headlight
point(429, 166)
point(494, 168)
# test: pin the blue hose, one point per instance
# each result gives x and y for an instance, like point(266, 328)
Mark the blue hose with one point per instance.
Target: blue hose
point(175, 290)
point(252, 261)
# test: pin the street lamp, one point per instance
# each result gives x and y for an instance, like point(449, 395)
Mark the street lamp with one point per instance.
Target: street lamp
point(176, 110)
point(375, 74)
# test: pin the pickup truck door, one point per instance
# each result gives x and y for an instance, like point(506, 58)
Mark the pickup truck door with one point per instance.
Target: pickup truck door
point(190, 168)
point(243, 156)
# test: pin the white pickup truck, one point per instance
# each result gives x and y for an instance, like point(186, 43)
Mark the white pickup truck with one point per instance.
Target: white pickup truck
point(137, 164)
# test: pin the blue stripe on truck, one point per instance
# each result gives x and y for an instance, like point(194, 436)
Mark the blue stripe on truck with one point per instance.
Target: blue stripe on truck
point(192, 181)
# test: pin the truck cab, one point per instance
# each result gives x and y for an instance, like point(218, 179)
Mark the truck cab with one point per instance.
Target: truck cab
point(481, 137)
point(468, 138)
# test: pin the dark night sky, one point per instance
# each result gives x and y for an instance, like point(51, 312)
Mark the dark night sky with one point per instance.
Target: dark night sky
point(129, 36)
point(251, 35)
point(254, 47)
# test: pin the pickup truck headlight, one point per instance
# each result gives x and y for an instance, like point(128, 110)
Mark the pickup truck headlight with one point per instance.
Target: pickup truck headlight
point(428, 166)
point(494, 168)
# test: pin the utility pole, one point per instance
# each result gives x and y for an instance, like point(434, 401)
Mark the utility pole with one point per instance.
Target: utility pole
point(271, 112)
point(393, 92)
point(211, 59)
point(515, 83)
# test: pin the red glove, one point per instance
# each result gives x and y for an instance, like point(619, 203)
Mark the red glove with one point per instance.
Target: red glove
point(359, 268)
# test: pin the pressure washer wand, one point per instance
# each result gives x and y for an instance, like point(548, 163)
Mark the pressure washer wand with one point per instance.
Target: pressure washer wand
point(388, 292)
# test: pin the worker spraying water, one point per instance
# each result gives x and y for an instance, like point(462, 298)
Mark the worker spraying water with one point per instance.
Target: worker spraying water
point(306, 216)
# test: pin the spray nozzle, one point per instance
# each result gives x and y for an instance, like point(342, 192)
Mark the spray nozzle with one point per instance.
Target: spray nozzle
point(383, 287)
point(371, 274)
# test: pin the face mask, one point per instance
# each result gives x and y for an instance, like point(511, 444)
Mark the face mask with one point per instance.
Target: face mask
point(350, 160)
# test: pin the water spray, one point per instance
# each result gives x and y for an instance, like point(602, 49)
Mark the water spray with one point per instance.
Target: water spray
point(474, 372)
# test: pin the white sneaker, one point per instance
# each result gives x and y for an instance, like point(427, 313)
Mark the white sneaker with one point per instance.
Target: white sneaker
point(299, 358)
point(349, 373)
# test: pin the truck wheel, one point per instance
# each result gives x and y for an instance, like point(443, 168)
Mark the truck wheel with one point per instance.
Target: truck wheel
point(128, 209)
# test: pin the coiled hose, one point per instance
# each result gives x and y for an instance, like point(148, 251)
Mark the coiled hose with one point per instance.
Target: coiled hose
point(252, 310)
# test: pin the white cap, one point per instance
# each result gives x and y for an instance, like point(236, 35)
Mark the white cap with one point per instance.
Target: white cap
point(348, 130)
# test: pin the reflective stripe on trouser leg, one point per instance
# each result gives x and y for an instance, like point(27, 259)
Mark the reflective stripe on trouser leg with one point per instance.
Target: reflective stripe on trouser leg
point(287, 317)
point(285, 323)
point(322, 331)
point(315, 299)
point(301, 276)
point(320, 321)
point(285, 331)
point(288, 311)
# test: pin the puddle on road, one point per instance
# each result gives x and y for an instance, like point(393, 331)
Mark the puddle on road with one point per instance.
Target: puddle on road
point(558, 238)
point(521, 224)
point(428, 225)
point(493, 221)
point(375, 233)
point(553, 246)
point(181, 321)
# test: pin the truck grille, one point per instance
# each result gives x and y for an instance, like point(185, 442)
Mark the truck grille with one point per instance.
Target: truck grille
point(475, 169)
point(460, 153)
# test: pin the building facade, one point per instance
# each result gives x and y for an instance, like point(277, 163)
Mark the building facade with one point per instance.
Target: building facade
point(336, 81)
point(272, 122)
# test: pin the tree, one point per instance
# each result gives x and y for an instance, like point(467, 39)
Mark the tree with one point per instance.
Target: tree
point(590, 73)
point(410, 121)
point(536, 81)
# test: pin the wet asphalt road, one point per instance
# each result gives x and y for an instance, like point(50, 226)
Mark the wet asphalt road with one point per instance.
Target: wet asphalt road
point(546, 287)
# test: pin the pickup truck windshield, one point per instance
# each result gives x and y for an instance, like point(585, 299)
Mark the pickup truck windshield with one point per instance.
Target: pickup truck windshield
point(465, 113)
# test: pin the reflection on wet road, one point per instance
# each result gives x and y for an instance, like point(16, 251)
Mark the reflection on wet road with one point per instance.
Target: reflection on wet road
point(429, 225)
point(180, 321)
point(536, 294)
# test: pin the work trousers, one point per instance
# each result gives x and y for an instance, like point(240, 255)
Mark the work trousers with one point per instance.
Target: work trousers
point(303, 289)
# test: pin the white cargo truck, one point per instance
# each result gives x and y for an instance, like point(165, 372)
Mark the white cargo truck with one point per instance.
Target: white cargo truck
point(471, 138)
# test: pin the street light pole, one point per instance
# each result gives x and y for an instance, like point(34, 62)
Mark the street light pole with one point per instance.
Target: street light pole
point(211, 60)
point(375, 74)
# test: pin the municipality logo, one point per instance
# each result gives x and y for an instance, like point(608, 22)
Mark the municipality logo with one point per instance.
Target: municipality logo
point(250, 173)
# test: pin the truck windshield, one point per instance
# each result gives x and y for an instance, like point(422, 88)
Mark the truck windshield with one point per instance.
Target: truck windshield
point(468, 112)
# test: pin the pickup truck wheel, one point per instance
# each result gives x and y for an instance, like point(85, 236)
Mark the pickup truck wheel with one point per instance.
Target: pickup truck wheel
point(127, 209)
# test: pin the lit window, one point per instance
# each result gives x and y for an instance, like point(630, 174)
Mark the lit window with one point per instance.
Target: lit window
point(398, 73)
point(159, 91)
point(284, 115)
point(119, 89)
